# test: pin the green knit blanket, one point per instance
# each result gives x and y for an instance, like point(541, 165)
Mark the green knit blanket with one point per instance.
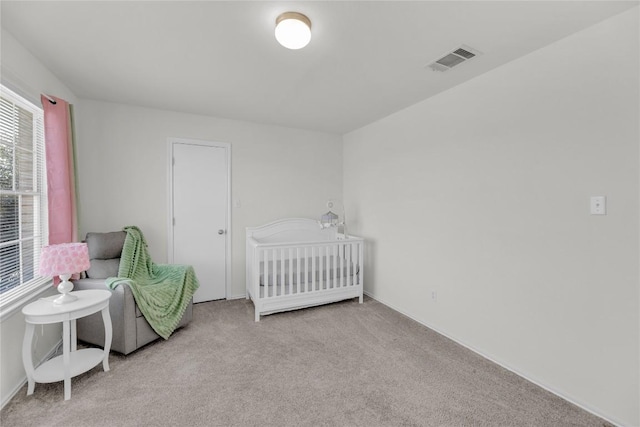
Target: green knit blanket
point(162, 292)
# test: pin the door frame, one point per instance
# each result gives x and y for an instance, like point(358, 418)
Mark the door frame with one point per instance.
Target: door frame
point(171, 141)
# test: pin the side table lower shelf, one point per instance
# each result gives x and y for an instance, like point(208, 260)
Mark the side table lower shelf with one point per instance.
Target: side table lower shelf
point(80, 361)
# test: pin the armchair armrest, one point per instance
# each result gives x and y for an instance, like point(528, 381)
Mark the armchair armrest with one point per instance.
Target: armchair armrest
point(122, 308)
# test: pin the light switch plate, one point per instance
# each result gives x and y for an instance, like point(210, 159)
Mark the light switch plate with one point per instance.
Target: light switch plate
point(598, 205)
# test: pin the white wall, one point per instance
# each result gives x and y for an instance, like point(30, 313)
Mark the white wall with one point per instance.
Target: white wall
point(481, 194)
point(276, 172)
point(25, 75)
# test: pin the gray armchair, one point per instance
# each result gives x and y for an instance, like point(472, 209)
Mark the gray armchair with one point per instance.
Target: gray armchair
point(130, 329)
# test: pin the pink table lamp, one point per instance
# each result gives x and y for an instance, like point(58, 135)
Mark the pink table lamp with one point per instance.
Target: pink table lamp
point(64, 260)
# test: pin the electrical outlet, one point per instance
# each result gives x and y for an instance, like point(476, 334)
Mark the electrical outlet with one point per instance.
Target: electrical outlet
point(598, 205)
point(434, 296)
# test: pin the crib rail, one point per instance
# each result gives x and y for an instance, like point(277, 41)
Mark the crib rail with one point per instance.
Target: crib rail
point(303, 273)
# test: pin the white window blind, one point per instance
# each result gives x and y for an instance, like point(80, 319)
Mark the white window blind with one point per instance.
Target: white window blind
point(23, 199)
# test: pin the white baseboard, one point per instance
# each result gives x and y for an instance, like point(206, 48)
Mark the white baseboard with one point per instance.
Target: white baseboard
point(502, 364)
point(7, 399)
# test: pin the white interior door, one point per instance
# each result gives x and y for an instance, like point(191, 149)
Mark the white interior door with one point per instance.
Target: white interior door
point(200, 209)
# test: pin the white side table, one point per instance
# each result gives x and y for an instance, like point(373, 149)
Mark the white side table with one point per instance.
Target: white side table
point(72, 362)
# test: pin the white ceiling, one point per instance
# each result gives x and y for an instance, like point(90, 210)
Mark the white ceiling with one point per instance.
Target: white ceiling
point(365, 61)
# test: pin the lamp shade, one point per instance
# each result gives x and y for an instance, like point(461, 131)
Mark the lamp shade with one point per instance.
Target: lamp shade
point(64, 258)
point(293, 30)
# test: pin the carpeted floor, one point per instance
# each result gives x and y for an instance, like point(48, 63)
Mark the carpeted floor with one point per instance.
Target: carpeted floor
point(343, 364)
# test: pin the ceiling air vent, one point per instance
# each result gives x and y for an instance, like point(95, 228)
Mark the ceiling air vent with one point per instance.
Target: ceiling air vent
point(456, 57)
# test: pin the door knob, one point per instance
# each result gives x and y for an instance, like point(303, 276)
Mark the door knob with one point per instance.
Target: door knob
point(220, 231)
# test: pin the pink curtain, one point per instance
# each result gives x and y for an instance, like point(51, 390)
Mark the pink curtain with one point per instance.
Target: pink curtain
point(61, 171)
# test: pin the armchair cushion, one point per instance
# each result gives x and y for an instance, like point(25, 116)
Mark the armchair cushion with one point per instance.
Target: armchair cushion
point(103, 268)
point(105, 245)
point(104, 252)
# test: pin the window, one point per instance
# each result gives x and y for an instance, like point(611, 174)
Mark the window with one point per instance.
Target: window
point(23, 198)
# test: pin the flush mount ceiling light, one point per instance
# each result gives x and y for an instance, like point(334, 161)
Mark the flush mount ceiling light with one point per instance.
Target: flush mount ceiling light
point(293, 30)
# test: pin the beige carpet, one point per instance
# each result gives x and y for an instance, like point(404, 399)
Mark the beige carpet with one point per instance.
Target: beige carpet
point(342, 364)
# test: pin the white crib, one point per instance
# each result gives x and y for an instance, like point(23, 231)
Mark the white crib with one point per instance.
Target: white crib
point(293, 263)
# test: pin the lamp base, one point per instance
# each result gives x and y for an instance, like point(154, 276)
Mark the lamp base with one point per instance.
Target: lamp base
point(64, 299)
point(64, 287)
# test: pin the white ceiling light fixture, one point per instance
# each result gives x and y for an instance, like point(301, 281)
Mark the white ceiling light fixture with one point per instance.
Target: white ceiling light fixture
point(293, 30)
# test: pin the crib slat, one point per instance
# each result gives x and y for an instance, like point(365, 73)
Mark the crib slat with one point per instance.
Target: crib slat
point(319, 269)
point(277, 271)
point(356, 271)
point(336, 267)
point(288, 265)
point(339, 265)
point(274, 272)
point(325, 267)
point(259, 268)
point(277, 257)
point(290, 256)
point(342, 255)
point(345, 267)
point(298, 270)
point(255, 274)
point(265, 273)
point(313, 268)
point(292, 272)
point(348, 261)
point(303, 270)
point(308, 254)
point(272, 262)
point(285, 255)
point(283, 272)
point(323, 271)
point(354, 262)
point(267, 263)
point(336, 277)
point(360, 264)
point(306, 270)
point(274, 267)
point(329, 266)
